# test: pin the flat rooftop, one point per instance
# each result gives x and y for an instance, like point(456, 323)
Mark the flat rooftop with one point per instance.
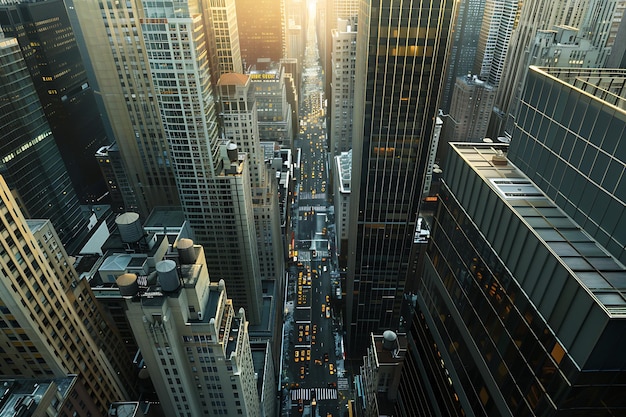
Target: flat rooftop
point(608, 85)
point(164, 217)
point(26, 394)
point(603, 276)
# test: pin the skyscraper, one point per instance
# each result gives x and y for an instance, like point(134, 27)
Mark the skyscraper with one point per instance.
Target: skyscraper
point(30, 160)
point(273, 110)
point(342, 86)
point(240, 126)
point(261, 30)
point(112, 44)
point(169, 97)
point(470, 109)
point(194, 344)
point(467, 24)
point(499, 19)
point(51, 54)
point(569, 139)
point(51, 322)
point(296, 12)
point(222, 40)
point(533, 16)
point(524, 309)
point(334, 11)
point(399, 65)
point(212, 176)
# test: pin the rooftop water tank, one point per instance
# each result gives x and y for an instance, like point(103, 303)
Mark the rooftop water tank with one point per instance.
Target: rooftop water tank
point(186, 252)
point(129, 226)
point(168, 275)
point(232, 152)
point(389, 340)
point(127, 283)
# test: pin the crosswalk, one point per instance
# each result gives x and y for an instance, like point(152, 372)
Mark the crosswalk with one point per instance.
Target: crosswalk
point(316, 209)
point(307, 195)
point(320, 394)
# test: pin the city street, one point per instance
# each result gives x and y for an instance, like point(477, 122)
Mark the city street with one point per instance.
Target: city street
point(312, 377)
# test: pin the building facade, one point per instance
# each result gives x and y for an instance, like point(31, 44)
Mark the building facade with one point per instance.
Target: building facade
point(525, 309)
point(240, 126)
point(472, 102)
point(342, 86)
point(112, 44)
point(563, 46)
point(498, 23)
point(212, 177)
point(399, 67)
point(533, 16)
point(195, 346)
point(30, 159)
point(273, 109)
point(342, 177)
point(467, 24)
point(577, 157)
point(49, 319)
point(51, 54)
point(261, 30)
point(223, 41)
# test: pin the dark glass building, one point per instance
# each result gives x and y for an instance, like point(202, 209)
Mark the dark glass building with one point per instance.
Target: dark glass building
point(261, 25)
point(569, 139)
point(43, 31)
point(30, 161)
point(526, 311)
point(400, 54)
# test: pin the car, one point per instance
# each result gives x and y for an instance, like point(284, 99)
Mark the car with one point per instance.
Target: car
point(314, 328)
point(327, 312)
point(331, 368)
point(325, 357)
point(327, 298)
point(323, 308)
point(302, 372)
point(296, 356)
point(308, 354)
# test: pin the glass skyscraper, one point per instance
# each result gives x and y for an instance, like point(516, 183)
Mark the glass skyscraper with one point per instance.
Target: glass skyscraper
point(526, 310)
point(400, 58)
point(569, 139)
point(51, 54)
point(30, 160)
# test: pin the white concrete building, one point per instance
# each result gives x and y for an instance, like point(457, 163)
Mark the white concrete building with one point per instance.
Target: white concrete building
point(273, 110)
point(212, 176)
point(342, 86)
point(195, 346)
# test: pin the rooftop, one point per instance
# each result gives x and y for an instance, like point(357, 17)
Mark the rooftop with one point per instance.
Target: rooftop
point(124, 409)
point(19, 395)
point(589, 263)
point(608, 85)
point(233, 78)
point(165, 217)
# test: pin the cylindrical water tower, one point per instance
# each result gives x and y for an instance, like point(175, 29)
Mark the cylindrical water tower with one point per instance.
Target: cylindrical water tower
point(168, 275)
